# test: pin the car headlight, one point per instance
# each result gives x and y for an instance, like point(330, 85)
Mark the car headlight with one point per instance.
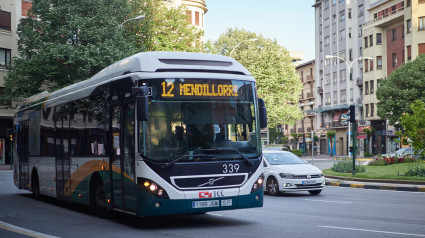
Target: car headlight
point(286, 175)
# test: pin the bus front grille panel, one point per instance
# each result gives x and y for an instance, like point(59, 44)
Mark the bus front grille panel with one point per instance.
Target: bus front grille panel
point(209, 181)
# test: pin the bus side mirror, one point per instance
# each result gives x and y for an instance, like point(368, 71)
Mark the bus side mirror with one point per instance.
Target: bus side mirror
point(263, 113)
point(142, 102)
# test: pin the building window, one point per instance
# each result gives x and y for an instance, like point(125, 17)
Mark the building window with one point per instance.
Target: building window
point(349, 13)
point(372, 109)
point(421, 23)
point(394, 31)
point(327, 40)
point(379, 62)
point(328, 98)
point(335, 79)
point(365, 42)
point(342, 15)
point(326, 22)
point(371, 87)
point(326, 4)
point(361, 10)
point(366, 88)
point(394, 59)
point(371, 65)
point(5, 58)
point(408, 26)
point(378, 38)
point(351, 94)
point(320, 29)
point(327, 79)
point(349, 32)
point(335, 97)
point(367, 110)
point(421, 1)
point(421, 49)
point(333, 2)
point(343, 96)
point(334, 19)
point(409, 52)
point(342, 35)
point(327, 62)
point(197, 18)
point(342, 55)
point(350, 54)
point(371, 40)
point(334, 37)
point(407, 3)
point(342, 75)
point(5, 20)
point(366, 63)
point(334, 60)
point(189, 16)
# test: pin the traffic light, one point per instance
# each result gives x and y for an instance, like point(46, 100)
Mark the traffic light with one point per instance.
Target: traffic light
point(352, 114)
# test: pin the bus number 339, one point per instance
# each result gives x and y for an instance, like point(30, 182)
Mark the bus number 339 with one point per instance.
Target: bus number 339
point(230, 168)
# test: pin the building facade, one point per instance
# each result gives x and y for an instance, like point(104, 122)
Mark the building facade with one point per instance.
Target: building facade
point(395, 34)
point(338, 82)
point(195, 10)
point(11, 12)
point(306, 104)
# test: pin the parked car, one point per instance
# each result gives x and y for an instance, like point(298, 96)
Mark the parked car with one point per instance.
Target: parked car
point(286, 172)
point(401, 152)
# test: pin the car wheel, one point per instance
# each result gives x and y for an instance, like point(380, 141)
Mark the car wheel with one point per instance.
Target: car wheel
point(272, 186)
point(315, 192)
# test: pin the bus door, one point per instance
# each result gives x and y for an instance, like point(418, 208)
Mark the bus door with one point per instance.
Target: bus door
point(63, 174)
point(22, 151)
point(123, 167)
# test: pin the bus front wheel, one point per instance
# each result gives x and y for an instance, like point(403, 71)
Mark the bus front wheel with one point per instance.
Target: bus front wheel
point(98, 198)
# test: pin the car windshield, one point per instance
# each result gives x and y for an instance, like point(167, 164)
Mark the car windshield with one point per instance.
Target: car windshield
point(282, 158)
point(401, 151)
point(199, 120)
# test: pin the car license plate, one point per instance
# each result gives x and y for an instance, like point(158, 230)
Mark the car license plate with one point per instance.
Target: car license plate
point(307, 182)
point(226, 203)
point(203, 204)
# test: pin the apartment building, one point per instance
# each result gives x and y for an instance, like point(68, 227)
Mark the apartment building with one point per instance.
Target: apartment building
point(11, 12)
point(338, 46)
point(395, 34)
point(195, 10)
point(306, 104)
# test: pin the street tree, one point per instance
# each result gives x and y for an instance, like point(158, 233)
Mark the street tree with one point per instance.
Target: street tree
point(297, 137)
point(270, 64)
point(400, 89)
point(331, 136)
point(64, 42)
point(164, 28)
point(413, 125)
point(368, 135)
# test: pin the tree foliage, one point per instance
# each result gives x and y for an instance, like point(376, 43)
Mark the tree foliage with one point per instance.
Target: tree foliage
point(403, 87)
point(413, 125)
point(63, 42)
point(164, 29)
point(270, 64)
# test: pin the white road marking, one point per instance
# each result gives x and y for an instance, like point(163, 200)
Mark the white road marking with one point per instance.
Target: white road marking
point(385, 232)
point(20, 230)
point(329, 201)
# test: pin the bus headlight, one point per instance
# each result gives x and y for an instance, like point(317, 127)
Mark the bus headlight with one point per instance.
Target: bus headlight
point(152, 187)
point(258, 184)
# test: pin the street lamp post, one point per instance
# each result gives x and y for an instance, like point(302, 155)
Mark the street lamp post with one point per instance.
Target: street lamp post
point(349, 87)
point(238, 44)
point(138, 18)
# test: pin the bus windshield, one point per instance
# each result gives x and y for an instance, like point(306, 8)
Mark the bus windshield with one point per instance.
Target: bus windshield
point(200, 120)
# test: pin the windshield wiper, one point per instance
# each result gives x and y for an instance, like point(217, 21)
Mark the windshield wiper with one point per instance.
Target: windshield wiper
point(182, 157)
point(232, 150)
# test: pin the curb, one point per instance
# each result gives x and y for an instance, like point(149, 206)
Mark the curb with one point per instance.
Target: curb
point(380, 187)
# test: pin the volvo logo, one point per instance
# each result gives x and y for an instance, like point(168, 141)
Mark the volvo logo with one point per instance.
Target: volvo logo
point(210, 182)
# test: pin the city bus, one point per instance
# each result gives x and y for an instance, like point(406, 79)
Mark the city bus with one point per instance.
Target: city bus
point(156, 133)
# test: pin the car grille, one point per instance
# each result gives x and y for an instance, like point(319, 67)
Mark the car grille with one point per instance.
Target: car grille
point(305, 176)
point(209, 181)
point(317, 185)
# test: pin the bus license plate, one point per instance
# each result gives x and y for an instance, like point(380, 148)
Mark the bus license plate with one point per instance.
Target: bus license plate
point(203, 204)
point(307, 182)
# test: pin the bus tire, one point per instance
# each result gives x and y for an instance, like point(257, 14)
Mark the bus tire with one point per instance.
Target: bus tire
point(35, 185)
point(98, 198)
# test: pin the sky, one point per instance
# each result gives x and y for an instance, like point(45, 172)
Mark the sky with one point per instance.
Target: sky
point(290, 22)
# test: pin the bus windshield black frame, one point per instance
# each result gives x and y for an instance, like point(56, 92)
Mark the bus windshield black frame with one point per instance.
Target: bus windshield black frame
point(196, 120)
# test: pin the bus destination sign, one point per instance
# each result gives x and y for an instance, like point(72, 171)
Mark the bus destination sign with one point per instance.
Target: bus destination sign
point(170, 89)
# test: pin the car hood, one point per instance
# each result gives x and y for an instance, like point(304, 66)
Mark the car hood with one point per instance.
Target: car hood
point(297, 169)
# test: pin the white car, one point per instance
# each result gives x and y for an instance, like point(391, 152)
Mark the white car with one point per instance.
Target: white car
point(286, 172)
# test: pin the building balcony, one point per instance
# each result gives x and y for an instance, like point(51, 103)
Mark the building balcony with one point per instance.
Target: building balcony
point(309, 78)
point(320, 90)
point(387, 19)
point(359, 82)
